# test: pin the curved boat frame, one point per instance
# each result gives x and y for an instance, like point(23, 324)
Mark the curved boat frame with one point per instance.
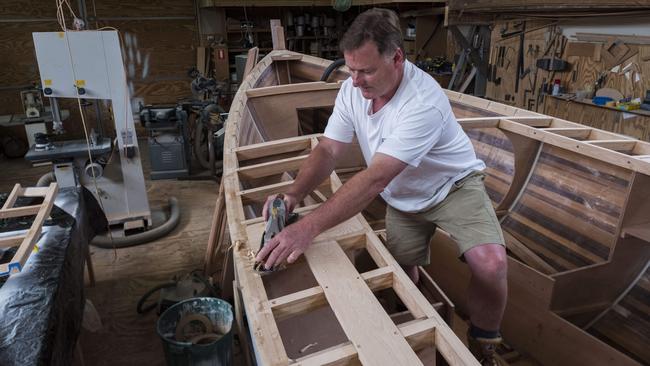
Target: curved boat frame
point(552, 300)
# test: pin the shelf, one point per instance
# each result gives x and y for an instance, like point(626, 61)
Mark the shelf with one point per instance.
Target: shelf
point(639, 231)
point(640, 112)
point(241, 30)
point(246, 49)
point(309, 37)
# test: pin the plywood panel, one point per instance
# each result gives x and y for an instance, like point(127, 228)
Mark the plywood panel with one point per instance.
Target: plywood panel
point(142, 8)
point(21, 9)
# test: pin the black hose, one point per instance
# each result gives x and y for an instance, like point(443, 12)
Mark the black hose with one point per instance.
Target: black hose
point(333, 66)
point(106, 242)
point(143, 299)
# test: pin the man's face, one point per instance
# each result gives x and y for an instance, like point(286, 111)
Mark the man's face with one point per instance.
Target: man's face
point(375, 74)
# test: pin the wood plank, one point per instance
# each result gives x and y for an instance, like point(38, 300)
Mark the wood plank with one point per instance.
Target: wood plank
point(11, 241)
point(260, 194)
point(526, 255)
point(617, 145)
point(376, 338)
point(287, 57)
point(254, 151)
point(312, 298)
point(271, 167)
point(277, 35)
point(641, 231)
point(19, 211)
point(32, 236)
point(292, 89)
point(603, 38)
point(418, 333)
point(344, 354)
point(13, 196)
point(580, 133)
point(251, 60)
point(478, 122)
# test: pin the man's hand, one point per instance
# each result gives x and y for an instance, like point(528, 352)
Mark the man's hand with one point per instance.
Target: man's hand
point(288, 245)
point(290, 203)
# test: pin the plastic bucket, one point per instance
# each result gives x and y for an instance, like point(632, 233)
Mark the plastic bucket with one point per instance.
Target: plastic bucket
point(215, 347)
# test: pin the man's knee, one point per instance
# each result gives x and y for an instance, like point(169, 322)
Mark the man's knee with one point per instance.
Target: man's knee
point(489, 261)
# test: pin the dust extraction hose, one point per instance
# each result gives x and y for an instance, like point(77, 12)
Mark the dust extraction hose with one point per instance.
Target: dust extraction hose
point(46, 179)
point(131, 240)
point(105, 242)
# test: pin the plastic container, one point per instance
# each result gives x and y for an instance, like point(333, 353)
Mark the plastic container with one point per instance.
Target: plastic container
point(601, 100)
point(186, 353)
point(556, 87)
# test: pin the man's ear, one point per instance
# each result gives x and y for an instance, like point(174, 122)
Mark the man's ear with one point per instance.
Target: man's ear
point(398, 58)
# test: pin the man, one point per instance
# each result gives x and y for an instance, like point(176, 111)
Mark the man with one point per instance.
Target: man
point(419, 160)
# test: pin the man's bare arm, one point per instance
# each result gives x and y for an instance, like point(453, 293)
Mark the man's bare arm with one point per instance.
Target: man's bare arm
point(316, 168)
point(349, 200)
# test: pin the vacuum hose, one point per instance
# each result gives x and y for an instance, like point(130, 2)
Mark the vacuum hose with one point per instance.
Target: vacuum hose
point(105, 242)
point(333, 66)
point(46, 179)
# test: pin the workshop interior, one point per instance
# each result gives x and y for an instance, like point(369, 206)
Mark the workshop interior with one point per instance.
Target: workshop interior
point(140, 140)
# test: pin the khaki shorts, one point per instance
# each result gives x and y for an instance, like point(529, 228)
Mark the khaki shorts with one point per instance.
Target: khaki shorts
point(466, 214)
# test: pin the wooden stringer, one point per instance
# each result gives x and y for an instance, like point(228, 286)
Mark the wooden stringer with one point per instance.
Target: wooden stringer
point(373, 337)
point(26, 241)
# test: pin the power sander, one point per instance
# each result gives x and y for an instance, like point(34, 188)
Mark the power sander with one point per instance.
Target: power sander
point(277, 219)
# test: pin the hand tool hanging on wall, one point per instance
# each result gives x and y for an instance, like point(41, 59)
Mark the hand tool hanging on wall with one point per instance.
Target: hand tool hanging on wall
point(520, 58)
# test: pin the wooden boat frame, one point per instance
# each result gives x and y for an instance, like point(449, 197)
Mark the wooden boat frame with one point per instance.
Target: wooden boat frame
point(539, 295)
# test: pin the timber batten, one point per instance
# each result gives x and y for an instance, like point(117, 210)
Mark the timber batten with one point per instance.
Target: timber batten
point(572, 201)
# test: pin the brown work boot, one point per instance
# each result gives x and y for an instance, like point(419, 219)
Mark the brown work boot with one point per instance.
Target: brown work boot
point(484, 349)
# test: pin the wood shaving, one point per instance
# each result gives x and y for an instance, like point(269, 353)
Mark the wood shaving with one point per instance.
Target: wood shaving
point(310, 345)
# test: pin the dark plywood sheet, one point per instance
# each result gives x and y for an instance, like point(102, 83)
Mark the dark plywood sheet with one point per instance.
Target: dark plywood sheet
point(18, 61)
point(142, 8)
point(22, 9)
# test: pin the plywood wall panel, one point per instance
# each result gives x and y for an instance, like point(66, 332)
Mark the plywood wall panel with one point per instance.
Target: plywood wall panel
point(23, 9)
point(142, 8)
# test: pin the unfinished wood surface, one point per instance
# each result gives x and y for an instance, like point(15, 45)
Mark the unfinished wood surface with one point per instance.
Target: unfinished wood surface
point(277, 34)
point(29, 240)
point(626, 323)
point(216, 240)
point(561, 184)
point(376, 338)
point(251, 60)
point(580, 147)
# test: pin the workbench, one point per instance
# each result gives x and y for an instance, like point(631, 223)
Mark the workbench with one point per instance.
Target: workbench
point(41, 308)
point(635, 123)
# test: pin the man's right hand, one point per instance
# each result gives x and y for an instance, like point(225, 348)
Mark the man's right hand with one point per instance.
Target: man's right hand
point(289, 200)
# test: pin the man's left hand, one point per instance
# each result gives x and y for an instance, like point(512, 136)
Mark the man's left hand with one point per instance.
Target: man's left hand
point(288, 245)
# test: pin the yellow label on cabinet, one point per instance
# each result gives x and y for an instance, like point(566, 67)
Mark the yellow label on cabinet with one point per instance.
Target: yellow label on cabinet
point(81, 82)
point(47, 82)
point(61, 34)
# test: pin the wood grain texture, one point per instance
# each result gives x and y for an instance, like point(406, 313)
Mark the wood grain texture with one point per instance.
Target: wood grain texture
point(627, 324)
point(143, 8)
point(19, 9)
point(518, 5)
point(371, 331)
point(569, 211)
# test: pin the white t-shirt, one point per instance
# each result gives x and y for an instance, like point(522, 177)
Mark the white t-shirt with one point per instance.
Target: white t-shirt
point(416, 126)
